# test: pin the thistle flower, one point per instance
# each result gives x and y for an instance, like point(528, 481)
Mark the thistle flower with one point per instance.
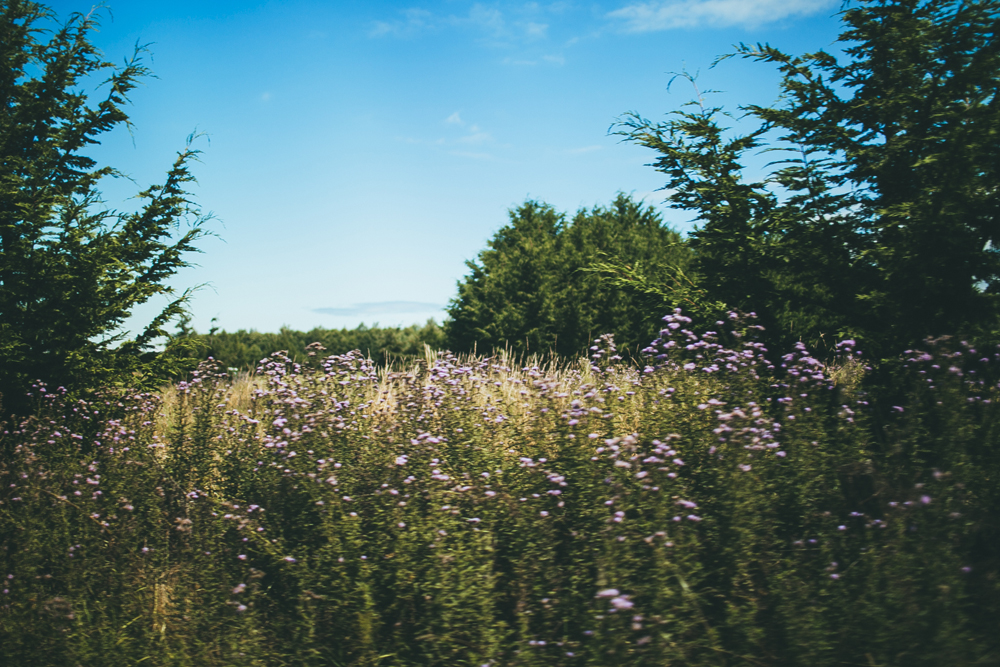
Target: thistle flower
point(622, 603)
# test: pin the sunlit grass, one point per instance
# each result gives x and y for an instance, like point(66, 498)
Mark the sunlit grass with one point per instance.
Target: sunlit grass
point(707, 509)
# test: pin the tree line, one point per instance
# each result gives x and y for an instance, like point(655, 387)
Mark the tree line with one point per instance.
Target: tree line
point(244, 350)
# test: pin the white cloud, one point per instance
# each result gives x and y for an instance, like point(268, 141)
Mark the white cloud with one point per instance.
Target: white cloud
point(512, 25)
point(473, 133)
point(558, 7)
point(488, 18)
point(462, 133)
point(673, 14)
point(535, 30)
point(476, 138)
point(413, 21)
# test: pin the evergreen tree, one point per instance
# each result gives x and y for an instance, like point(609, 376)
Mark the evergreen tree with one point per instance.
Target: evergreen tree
point(882, 223)
point(535, 289)
point(71, 271)
point(507, 299)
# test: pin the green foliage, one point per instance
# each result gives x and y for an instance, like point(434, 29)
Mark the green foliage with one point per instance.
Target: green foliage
point(508, 297)
point(882, 223)
point(245, 349)
point(70, 271)
point(679, 290)
point(534, 289)
point(716, 510)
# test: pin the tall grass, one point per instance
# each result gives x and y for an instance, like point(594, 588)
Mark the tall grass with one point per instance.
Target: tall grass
point(711, 508)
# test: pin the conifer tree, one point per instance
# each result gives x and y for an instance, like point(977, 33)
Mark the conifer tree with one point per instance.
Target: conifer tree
point(508, 297)
point(71, 271)
point(535, 288)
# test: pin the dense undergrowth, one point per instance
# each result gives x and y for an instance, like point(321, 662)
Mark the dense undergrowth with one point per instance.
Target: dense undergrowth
point(711, 508)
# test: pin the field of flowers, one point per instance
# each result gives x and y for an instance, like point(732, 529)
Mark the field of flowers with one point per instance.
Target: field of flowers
point(709, 508)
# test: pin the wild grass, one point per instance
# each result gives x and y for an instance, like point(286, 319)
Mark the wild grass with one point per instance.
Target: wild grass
point(711, 508)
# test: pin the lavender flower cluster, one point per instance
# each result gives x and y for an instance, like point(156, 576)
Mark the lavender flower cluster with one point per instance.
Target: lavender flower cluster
point(471, 510)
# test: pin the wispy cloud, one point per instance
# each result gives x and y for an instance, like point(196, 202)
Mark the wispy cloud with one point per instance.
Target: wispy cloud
point(476, 138)
point(675, 14)
point(382, 308)
point(489, 19)
point(512, 25)
point(473, 133)
point(534, 30)
point(413, 21)
point(583, 149)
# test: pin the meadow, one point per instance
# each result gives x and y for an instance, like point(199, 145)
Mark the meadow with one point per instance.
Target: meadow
point(704, 507)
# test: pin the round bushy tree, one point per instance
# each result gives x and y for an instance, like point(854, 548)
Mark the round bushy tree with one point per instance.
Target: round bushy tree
point(535, 289)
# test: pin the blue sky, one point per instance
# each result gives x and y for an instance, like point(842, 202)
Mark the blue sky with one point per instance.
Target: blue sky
point(356, 154)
